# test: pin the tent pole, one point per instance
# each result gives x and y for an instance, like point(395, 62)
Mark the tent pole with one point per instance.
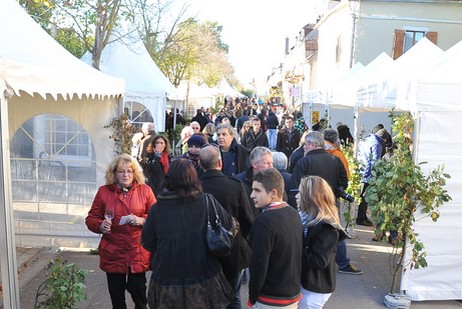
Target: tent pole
point(356, 131)
point(404, 282)
point(7, 242)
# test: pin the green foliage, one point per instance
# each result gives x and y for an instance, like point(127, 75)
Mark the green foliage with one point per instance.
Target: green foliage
point(122, 133)
point(398, 189)
point(354, 183)
point(183, 57)
point(40, 10)
point(64, 288)
point(71, 42)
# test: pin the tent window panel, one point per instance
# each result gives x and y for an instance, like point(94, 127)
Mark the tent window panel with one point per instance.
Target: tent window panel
point(71, 150)
point(138, 112)
point(53, 172)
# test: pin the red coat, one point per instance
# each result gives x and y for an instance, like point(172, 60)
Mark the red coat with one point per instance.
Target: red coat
point(121, 249)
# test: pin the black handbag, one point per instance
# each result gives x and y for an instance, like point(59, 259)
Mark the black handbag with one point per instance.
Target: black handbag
point(218, 238)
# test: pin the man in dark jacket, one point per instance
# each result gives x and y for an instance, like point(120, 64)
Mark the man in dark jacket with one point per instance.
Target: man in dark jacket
point(235, 157)
point(232, 196)
point(261, 158)
point(318, 162)
point(276, 239)
point(255, 136)
point(288, 138)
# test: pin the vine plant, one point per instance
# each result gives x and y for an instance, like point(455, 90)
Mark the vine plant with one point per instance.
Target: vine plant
point(64, 287)
point(122, 133)
point(354, 184)
point(398, 189)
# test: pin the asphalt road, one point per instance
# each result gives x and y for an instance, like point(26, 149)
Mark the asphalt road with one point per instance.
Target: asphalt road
point(364, 291)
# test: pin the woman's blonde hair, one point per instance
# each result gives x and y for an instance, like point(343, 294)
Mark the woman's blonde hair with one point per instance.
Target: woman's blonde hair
point(318, 201)
point(138, 175)
point(246, 123)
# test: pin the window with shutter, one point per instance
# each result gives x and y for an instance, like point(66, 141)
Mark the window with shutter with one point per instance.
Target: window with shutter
point(403, 40)
point(398, 43)
point(433, 37)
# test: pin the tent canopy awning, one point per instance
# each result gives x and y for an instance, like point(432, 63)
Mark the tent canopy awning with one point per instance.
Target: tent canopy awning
point(32, 61)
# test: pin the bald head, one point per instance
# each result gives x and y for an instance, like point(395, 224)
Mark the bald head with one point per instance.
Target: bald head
point(210, 158)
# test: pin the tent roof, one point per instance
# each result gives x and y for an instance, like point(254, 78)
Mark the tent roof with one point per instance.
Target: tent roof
point(125, 56)
point(32, 61)
point(343, 92)
point(195, 91)
point(396, 86)
point(225, 89)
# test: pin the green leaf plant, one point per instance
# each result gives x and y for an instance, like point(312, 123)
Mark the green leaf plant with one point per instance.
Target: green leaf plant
point(64, 287)
point(122, 133)
point(398, 188)
point(354, 186)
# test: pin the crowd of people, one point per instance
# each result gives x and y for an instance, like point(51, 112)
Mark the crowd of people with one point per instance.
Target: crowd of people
point(277, 183)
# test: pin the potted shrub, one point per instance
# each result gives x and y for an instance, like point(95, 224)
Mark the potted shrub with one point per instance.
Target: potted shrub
point(398, 189)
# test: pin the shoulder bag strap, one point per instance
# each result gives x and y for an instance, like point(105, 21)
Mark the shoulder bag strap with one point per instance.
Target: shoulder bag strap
point(209, 199)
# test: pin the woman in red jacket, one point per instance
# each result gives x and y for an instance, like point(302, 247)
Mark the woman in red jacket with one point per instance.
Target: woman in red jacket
point(127, 200)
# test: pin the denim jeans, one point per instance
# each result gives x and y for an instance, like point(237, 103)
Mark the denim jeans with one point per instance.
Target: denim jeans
point(272, 138)
point(341, 256)
point(236, 285)
point(313, 300)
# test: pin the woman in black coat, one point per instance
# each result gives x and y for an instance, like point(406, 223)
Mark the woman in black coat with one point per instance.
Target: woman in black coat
point(184, 274)
point(157, 162)
point(322, 231)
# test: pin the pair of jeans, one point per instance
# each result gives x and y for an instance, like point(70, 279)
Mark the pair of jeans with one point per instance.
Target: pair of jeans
point(236, 285)
point(341, 256)
point(272, 138)
point(135, 284)
point(312, 300)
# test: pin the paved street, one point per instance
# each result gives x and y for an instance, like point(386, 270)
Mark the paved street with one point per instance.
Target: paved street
point(353, 292)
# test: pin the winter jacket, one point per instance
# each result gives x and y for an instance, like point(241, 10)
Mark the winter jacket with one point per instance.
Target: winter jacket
point(121, 249)
point(252, 140)
point(276, 238)
point(155, 169)
point(235, 160)
point(318, 162)
point(287, 141)
point(334, 150)
point(318, 261)
point(272, 121)
point(232, 195)
point(185, 275)
point(370, 150)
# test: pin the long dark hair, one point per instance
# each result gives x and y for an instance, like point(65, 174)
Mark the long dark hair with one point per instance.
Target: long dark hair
point(182, 178)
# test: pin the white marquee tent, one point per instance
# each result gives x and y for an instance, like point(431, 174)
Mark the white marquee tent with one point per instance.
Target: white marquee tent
point(146, 87)
point(197, 96)
point(430, 88)
point(39, 78)
point(223, 88)
point(438, 111)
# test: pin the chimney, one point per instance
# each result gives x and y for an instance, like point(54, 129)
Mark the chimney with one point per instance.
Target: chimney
point(287, 45)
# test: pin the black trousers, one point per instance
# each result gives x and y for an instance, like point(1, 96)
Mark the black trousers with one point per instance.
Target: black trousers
point(135, 284)
point(362, 208)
